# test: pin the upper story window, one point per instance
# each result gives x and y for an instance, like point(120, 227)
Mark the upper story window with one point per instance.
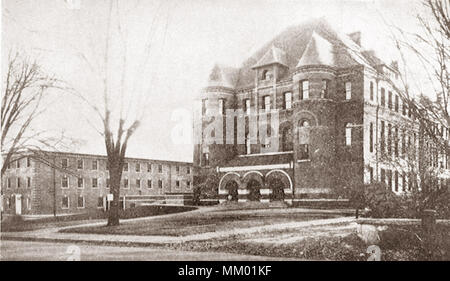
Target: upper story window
point(94, 164)
point(303, 151)
point(348, 90)
point(177, 169)
point(188, 170)
point(18, 163)
point(149, 167)
point(383, 97)
point(266, 103)
point(80, 164)
point(125, 167)
point(286, 139)
point(390, 100)
point(396, 103)
point(304, 90)
point(371, 90)
point(247, 106)
point(324, 91)
point(64, 163)
point(94, 182)
point(348, 134)
point(221, 106)
point(266, 75)
point(80, 183)
point(288, 100)
point(28, 162)
point(138, 167)
point(64, 182)
point(159, 168)
point(206, 159)
point(371, 137)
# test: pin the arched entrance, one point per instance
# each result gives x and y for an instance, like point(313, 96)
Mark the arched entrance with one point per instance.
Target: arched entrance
point(277, 186)
point(253, 187)
point(232, 188)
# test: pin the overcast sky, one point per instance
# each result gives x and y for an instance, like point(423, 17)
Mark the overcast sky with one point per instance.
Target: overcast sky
point(189, 36)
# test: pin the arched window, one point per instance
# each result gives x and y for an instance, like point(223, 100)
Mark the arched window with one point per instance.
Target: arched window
point(286, 139)
point(304, 123)
point(348, 134)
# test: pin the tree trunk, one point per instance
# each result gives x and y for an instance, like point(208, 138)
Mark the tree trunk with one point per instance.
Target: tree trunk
point(115, 174)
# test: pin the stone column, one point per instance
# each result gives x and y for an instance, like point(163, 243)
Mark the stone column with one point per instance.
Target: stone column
point(243, 195)
point(265, 195)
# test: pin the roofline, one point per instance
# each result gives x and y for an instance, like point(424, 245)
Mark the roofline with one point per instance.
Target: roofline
point(105, 156)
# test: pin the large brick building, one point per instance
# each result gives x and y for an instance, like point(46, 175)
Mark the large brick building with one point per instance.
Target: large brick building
point(336, 113)
point(59, 183)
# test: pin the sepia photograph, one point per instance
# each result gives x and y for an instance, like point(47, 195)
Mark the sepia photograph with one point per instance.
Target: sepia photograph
point(226, 138)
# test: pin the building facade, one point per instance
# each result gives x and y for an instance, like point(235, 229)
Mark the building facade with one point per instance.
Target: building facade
point(334, 120)
point(62, 183)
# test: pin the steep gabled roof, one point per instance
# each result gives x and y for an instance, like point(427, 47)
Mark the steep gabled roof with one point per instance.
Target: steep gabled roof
point(273, 55)
point(223, 76)
point(319, 51)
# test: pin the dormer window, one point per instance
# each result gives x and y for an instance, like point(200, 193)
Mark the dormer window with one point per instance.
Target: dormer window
point(266, 75)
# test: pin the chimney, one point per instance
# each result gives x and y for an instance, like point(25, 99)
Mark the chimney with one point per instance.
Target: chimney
point(356, 37)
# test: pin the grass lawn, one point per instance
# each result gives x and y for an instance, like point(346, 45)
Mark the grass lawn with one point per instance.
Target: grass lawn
point(17, 223)
point(209, 221)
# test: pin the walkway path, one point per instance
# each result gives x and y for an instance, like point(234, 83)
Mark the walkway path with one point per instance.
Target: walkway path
point(52, 234)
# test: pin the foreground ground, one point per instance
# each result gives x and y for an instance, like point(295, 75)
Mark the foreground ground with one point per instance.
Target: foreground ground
point(29, 251)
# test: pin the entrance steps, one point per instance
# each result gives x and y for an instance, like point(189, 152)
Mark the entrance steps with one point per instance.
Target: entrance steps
point(253, 205)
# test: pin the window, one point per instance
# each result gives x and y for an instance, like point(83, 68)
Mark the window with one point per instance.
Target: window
point(177, 183)
point(404, 107)
point(396, 103)
point(28, 203)
point(390, 100)
point(205, 159)
point(382, 142)
point(94, 183)
point(248, 145)
point(348, 134)
point(221, 106)
point(108, 183)
point(371, 90)
point(138, 183)
point(383, 176)
point(64, 163)
point(28, 162)
point(286, 139)
point(188, 184)
point(80, 202)
point(288, 100)
point(125, 183)
point(160, 184)
point(396, 181)
point(324, 91)
point(389, 140)
point(94, 164)
point(188, 170)
point(18, 164)
point(383, 97)
point(404, 182)
point(389, 179)
point(396, 142)
point(65, 202)
point(125, 167)
point(348, 90)
point(28, 182)
point(160, 168)
point(64, 182)
point(370, 174)
point(100, 202)
point(149, 183)
point(247, 106)
point(371, 137)
point(266, 104)
point(80, 164)
point(177, 169)
point(149, 167)
point(304, 151)
point(138, 167)
point(18, 183)
point(80, 183)
point(8, 183)
point(304, 90)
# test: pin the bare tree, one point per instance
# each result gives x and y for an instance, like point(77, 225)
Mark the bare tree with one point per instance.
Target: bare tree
point(25, 88)
point(120, 99)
